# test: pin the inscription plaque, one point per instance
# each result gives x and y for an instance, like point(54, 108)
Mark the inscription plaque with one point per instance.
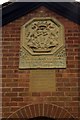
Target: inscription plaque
point(42, 44)
point(42, 81)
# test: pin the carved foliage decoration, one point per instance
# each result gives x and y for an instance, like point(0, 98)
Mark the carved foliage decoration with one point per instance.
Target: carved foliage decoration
point(42, 44)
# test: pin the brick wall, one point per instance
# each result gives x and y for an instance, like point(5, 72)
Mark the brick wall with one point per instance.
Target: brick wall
point(15, 82)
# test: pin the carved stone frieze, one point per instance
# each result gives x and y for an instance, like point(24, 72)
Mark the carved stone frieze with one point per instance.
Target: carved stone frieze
point(42, 44)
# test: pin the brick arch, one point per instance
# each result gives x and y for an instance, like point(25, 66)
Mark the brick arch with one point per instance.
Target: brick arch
point(41, 109)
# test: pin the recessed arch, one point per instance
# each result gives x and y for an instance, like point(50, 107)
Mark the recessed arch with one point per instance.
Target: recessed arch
point(41, 118)
point(41, 110)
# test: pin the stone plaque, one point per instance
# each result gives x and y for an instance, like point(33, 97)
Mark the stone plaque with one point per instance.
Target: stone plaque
point(42, 44)
point(42, 81)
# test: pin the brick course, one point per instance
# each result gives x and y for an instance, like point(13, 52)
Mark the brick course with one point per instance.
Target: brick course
point(15, 82)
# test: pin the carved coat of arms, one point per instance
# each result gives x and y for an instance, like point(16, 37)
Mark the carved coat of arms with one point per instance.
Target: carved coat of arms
point(42, 38)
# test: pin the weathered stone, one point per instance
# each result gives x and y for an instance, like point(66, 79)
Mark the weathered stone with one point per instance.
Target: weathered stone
point(42, 81)
point(42, 44)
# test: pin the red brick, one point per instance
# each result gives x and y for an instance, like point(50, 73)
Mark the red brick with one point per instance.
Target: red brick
point(51, 98)
point(16, 82)
point(35, 94)
point(17, 99)
point(72, 104)
point(45, 94)
point(64, 98)
point(32, 109)
point(41, 109)
point(46, 109)
point(58, 93)
point(17, 89)
point(6, 99)
point(36, 110)
point(28, 112)
point(15, 108)
point(23, 112)
point(10, 104)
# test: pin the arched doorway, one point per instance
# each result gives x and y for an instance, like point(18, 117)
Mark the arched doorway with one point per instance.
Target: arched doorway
point(41, 118)
point(47, 111)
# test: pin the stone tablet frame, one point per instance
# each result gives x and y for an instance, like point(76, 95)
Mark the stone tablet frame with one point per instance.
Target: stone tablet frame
point(42, 44)
point(42, 80)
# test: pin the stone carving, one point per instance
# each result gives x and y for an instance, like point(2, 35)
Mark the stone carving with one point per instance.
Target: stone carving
point(42, 44)
point(42, 39)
